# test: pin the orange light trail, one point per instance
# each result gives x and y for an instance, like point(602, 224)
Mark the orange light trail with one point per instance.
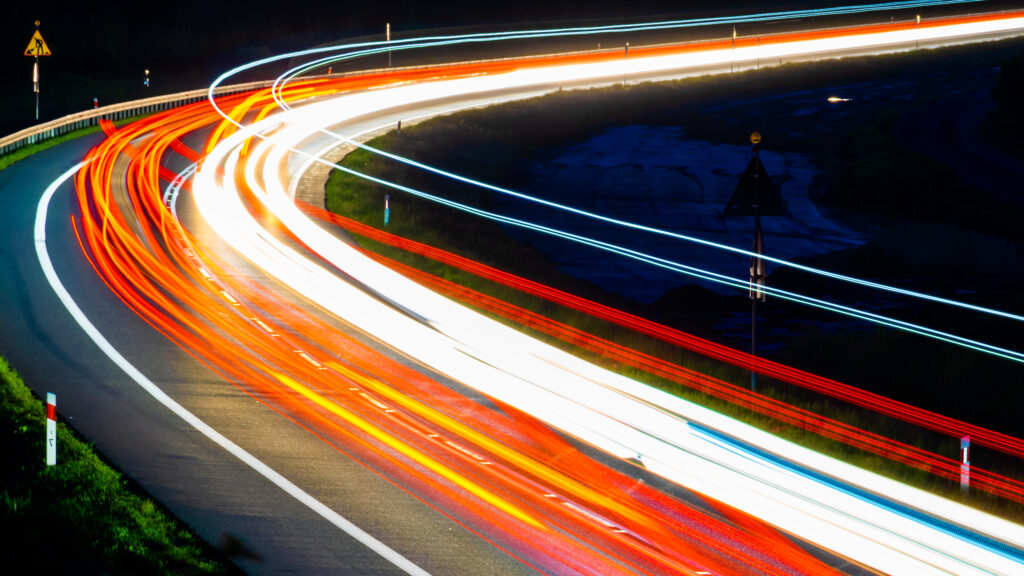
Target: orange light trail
point(496, 470)
point(502, 486)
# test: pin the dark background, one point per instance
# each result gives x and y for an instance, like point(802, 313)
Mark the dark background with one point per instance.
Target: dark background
point(100, 49)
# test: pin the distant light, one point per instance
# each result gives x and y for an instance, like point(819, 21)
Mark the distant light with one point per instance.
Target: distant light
point(838, 99)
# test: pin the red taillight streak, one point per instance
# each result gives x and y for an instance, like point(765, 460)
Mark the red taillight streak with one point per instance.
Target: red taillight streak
point(904, 453)
point(120, 253)
point(894, 408)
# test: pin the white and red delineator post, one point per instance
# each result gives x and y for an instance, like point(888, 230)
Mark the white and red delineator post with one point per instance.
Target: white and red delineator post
point(51, 429)
point(965, 464)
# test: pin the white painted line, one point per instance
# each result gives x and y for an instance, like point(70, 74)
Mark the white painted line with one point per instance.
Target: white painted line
point(146, 384)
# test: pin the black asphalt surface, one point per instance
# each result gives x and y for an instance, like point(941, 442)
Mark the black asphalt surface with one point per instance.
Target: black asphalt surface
point(224, 500)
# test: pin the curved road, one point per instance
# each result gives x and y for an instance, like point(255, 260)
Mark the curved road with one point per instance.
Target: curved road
point(170, 458)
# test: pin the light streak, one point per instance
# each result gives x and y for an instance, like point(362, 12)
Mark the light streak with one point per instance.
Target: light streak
point(370, 48)
point(360, 104)
point(911, 456)
point(618, 414)
point(160, 396)
point(443, 458)
point(712, 57)
point(635, 532)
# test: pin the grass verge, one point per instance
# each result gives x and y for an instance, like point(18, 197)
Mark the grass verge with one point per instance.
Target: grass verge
point(81, 516)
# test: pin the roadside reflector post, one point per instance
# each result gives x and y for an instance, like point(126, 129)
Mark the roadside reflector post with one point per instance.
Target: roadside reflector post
point(387, 208)
point(732, 57)
point(51, 429)
point(965, 464)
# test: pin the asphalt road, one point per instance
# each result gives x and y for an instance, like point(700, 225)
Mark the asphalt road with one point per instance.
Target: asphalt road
point(222, 498)
point(225, 501)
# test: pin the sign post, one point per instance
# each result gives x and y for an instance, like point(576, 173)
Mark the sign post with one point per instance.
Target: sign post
point(51, 429)
point(755, 196)
point(36, 47)
point(757, 265)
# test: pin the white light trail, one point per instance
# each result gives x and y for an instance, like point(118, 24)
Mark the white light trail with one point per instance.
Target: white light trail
point(697, 60)
point(744, 54)
point(906, 531)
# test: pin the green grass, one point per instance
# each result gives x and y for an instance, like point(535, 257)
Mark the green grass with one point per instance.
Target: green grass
point(498, 144)
point(81, 516)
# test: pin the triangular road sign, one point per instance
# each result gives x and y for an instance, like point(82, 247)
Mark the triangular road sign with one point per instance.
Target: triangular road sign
point(755, 181)
point(37, 46)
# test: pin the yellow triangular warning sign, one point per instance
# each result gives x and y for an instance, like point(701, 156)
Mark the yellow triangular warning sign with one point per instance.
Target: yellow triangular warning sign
point(37, 46)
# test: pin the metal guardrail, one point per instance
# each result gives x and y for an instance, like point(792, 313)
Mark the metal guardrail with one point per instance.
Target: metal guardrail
point(72, 122)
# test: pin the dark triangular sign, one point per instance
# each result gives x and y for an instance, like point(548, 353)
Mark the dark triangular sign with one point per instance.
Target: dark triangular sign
point(755, 182)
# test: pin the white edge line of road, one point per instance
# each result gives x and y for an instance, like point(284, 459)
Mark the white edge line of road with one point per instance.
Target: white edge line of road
point(146, 384)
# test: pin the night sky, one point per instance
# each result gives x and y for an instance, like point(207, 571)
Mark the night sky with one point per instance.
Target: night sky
point(100, 49)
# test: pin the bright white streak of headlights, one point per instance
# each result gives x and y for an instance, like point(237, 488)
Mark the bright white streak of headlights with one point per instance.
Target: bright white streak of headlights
point(618, 415)
point(1009, 354)
point(846, 524)
point(886, 38)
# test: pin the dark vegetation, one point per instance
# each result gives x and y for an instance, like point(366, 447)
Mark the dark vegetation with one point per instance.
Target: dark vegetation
point(81, 516)
point(931, 228)
point(1009, 93)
